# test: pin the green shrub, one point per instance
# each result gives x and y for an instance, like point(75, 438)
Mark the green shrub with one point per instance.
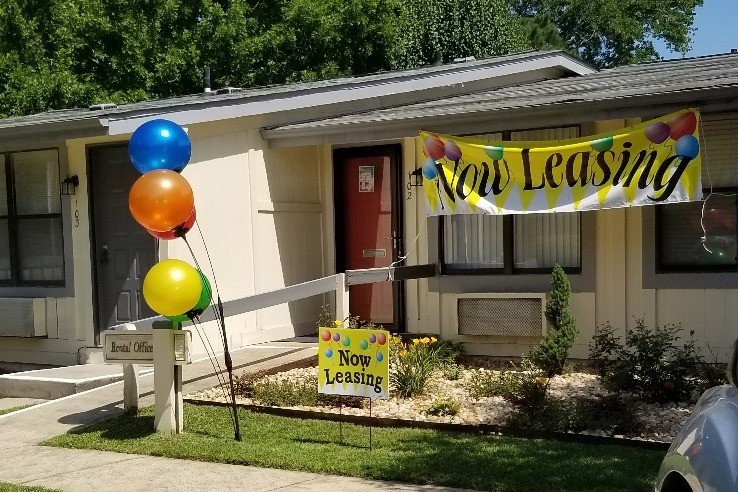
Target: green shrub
point(652, 363)
point(449, 352)
point(244, 384)
point(483, 383)
point(412, 363)
point(285, 393)
point(325, 318)
point(452, 371)
point(611, 413)
point(524, 386)
point(443, 406)
point(551, 353)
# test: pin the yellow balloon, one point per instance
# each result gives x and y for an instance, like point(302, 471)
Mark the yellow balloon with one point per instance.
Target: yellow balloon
point(172, 287)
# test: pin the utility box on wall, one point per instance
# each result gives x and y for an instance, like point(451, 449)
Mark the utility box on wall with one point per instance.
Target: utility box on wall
point(23, 317)
point(504, 315)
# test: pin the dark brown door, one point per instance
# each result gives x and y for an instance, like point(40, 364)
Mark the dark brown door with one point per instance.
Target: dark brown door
point(368, 228)
point(122, 250)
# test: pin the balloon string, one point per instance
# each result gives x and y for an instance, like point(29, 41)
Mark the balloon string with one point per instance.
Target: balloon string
point(211, 355)
point(207, 254)
point(392, 266)
point(215, 281)
point(218, 372)
point(216, 312)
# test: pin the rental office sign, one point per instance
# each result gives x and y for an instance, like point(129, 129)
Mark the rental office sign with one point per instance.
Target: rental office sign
point(658, 161)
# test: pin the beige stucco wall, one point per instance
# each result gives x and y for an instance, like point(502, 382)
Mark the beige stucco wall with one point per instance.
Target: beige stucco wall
point(262, 215)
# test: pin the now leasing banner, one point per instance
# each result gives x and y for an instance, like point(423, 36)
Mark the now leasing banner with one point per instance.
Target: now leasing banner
point(353, 362)
point(654, 162)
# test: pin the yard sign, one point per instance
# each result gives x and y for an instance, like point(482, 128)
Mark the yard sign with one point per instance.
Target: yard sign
point(353, 362)
point(658, 161)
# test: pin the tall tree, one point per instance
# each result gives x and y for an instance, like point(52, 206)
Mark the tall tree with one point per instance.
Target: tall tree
point(68, 53)
point(608, 33)
point(441, 30)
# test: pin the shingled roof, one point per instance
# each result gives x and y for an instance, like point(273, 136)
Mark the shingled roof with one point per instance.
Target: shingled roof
point(429, 81)
point(634, 90)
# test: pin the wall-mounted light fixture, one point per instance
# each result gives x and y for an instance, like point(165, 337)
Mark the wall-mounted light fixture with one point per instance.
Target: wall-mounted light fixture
point(69, 185)
point(416, 177)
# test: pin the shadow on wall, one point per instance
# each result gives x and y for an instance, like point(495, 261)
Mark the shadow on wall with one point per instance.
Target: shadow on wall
point(288, 232)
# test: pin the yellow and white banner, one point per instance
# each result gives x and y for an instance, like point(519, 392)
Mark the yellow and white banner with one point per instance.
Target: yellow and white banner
point(353, 362)
point(655, 162)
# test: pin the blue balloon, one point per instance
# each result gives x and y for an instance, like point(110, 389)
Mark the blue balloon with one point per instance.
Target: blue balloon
point(429, 169)
point(159, 144)
point(380, 357)
point(329, 353)
point(688, 146)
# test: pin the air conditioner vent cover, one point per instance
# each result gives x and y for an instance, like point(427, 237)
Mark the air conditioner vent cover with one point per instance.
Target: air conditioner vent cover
point(501, 316)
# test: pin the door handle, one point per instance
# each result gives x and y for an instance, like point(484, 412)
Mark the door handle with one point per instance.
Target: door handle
point(105, 256)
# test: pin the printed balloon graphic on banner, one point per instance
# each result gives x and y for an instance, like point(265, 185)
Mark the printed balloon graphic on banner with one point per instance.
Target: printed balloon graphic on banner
point(178, 231)
point(687, 146)
point(159, 144)
point(494, 152)
point(683, 124)
point(429, 168)
point(452, 151)
point(203, 302)
point(601, 144)
point(658, 132)
point(172, 287)
point(434, 147)
point(161, 200)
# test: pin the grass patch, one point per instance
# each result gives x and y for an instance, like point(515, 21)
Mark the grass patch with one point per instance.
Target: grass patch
point(409, 455)
point(11, 487)
point(12, 409)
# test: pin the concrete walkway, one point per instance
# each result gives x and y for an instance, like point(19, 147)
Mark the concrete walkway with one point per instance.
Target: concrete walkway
point(24, 462)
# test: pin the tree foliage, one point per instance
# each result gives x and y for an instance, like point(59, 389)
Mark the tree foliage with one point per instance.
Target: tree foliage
point(608, 33)
point(69, 53)
point(550, 355)
point(441, 30)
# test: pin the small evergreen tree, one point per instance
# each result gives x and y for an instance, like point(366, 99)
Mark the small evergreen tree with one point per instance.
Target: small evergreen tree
point(550, 355)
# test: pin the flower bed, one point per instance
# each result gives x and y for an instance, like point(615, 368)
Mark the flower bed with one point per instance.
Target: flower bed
point(575, 402)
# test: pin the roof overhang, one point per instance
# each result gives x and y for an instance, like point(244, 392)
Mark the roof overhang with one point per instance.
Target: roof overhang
point(571, 111)
point(298, 102)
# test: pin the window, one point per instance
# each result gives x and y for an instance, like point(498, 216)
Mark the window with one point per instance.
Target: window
point(31, 239)
point(679, 226)
point(680, 243)
point(513, 244)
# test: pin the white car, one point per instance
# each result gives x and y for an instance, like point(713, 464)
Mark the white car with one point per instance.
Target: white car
point(704, 455)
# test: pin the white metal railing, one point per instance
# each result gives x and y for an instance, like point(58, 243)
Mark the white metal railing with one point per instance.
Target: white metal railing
point(172, 384)
point(333, 283)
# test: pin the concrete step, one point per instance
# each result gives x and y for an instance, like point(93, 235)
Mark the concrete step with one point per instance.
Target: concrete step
point(48, 384)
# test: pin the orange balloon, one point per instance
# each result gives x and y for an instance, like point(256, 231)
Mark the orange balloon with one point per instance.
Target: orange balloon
point(161, 200)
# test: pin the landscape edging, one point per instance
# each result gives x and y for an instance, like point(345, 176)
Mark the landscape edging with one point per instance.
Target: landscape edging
point(488, 429)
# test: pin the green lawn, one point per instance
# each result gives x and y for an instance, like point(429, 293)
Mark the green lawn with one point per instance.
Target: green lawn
point(13, 409)
point(10, 487)
point(408, 455)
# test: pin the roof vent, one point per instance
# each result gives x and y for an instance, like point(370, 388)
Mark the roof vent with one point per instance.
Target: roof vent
point(103, 106)
point(228, 90)
point(733, 51)
point(465, 59)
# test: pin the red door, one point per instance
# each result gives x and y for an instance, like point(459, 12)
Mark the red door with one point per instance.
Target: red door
point(368, 227)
